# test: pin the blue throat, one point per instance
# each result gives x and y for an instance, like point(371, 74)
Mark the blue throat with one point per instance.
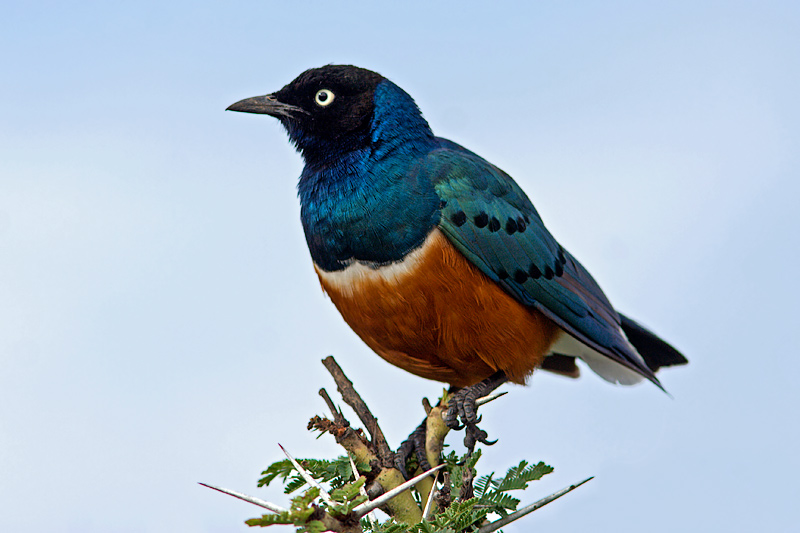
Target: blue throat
point(361, 198)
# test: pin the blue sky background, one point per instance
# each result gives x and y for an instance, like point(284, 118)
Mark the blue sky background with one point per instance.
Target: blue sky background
point(161, 324)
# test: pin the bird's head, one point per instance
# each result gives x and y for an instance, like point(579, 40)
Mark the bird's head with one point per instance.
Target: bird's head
point(336, 109)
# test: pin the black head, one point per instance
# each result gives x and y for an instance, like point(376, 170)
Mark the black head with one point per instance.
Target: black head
point(323, 109)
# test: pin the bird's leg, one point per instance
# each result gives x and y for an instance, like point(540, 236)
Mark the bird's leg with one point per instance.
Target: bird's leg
point(415, 443)
point(462, 406)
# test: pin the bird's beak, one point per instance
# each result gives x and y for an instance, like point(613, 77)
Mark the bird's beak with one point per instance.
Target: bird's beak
point(266, 105)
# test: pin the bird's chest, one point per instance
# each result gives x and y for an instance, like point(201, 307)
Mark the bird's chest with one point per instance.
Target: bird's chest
point(434, 314)
point(368, 218)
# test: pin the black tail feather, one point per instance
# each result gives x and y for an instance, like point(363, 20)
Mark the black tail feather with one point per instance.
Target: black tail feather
point(655, 351)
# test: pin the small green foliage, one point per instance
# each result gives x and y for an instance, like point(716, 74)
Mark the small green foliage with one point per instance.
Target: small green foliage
point(518, 477)
point(457, 465)
point(269, 520)
point(298, 514)
point(493, 492)
point(350, 497)
point(346, 495)
point(348, 491)
point(491, 496)
point(390, 526)
point(336, 472)
point(314, 526)
point(459, 516)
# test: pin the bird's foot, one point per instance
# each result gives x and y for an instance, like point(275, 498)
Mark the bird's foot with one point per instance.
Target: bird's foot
point(463, 407)
point(414, 444)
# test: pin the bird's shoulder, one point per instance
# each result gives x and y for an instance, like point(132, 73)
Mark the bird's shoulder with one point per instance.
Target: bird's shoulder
point(492, 222)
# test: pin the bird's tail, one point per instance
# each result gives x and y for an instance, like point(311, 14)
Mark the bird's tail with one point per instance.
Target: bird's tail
point(655, 351)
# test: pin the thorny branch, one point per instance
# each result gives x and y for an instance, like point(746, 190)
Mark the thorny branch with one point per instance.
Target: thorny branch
point(386, 487)
point(353, 399)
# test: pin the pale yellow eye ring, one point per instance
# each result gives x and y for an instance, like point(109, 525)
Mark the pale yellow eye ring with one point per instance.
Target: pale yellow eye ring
point(324, 97)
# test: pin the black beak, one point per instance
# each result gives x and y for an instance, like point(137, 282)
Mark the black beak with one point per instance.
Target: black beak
point(266, 105)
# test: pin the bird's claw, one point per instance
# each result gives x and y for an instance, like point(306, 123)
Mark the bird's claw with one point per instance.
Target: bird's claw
point(462, 410)
point(414, 444)
point(462, 413)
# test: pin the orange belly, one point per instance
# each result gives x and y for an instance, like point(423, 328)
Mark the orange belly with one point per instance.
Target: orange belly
point(437, 316)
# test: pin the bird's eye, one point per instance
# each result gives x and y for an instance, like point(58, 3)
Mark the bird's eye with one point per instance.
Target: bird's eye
point(324, 97)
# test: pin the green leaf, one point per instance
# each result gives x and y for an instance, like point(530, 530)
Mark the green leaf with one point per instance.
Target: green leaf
point(482, 484)
point(295, 483)
point(270, 520)
point(348, 491)
point(491, 495)
point(390, 526)
point(519, 476)
point(336, 472)
point(456, 465)
point(314, 526)
point(460, 516)
point(499, 500)
point(278, 469)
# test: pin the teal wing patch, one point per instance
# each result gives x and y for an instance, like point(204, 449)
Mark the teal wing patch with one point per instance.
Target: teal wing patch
point(490, 220)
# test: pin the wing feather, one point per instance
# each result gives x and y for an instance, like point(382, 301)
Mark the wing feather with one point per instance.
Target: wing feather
point(489, 219)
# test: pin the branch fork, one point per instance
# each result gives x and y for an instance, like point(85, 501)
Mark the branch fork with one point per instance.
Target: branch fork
point(387, 489)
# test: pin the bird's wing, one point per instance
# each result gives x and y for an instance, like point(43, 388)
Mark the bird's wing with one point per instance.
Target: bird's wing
point(489, 219)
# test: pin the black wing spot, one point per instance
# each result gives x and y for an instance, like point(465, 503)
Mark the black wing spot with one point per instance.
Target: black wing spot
point(534, 272)
point(494, 225)
point(459, 218)
point(481, 220)
point(527, 219)
point(548, 273)
point(520, 276)
point(561, 256)
point(559, 270)
point(442, 204)
point(511, 226)
point(521, 226)
point(502, 273)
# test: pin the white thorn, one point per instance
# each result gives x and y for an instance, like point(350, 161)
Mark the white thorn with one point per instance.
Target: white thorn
point(310, 480)
point(256, 501)
point(494, 526)
point(366, 507)
point(371, 516)
point(354, 468)
point(489, 398)
point(426, 514)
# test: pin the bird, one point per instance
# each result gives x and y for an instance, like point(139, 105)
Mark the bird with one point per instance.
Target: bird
point(435, 257)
